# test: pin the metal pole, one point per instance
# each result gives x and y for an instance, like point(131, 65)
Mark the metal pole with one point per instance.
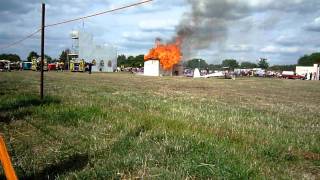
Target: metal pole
point(68, 62)
point(42, 49)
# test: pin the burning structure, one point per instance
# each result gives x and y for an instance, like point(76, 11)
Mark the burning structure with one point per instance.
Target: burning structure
point(206, 23)
point(164, 59)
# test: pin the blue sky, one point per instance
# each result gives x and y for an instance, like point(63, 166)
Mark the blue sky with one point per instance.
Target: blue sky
point(280, 31)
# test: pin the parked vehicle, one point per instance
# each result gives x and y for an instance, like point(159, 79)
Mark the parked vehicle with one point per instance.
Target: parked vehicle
point(291, 75)
point(77, 66)
point(26, 65)
point(14, 66)
point(296, 76)
point(4, 65)
point(36, 64)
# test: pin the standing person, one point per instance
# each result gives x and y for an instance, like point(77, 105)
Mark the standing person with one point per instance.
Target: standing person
point(310, 76)
point(90, 68)
point(20, 66)
point(61, 66)
point(57, 66)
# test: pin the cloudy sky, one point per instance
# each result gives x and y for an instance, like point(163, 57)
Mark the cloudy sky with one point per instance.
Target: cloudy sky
point(279, 30)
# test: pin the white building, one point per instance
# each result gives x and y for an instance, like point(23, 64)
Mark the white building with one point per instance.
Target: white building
point(152, 68)
point(103, 57)
point(311, 71)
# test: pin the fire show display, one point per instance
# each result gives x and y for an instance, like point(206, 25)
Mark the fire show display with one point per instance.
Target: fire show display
point(168, 55)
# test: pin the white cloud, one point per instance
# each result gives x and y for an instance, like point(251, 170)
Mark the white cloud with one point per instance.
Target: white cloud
point(158, 25)
point(142, 36)
point(239, 47)
point(258, 3)
point(274, 49)
point(314, 26)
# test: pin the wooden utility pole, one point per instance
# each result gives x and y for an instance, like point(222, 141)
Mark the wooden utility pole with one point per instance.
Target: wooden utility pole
point(42, 49)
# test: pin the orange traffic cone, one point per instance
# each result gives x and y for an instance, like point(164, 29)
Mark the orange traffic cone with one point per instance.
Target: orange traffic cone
point(5, 161)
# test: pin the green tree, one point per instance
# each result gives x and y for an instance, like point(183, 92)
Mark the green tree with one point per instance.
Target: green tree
point(130, 61)
point(263, 63)
point(231, 63)
point(64, 56)
point(248, 65)
point(196, 63)
point(215, 67)
point(31, 55)
point(309, 60)
point(10, 57)
point(121, 60)
point(283, 67)
point(138, 61)
point(49, 59)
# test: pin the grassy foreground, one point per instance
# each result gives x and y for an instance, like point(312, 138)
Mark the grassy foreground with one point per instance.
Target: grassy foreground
point(120, 126)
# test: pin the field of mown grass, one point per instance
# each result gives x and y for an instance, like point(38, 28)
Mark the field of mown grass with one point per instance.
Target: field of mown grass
point(122, 126)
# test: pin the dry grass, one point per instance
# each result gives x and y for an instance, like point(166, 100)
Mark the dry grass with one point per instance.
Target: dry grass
point(104, 126)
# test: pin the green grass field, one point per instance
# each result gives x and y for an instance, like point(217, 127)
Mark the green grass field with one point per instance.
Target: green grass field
point(122, 126)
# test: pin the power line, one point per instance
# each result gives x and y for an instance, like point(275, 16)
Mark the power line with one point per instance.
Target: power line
point(72, 20)
point(100, 13)
point(20, 41)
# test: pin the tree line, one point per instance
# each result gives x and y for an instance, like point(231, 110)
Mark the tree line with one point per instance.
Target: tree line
point(138, 61)
point(130, 61)
point(33, 54)
point(234, 64)
point(10, 57)
point(227, 63)
point(306, 60)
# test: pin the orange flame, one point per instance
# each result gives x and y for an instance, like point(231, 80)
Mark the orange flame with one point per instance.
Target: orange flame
point(168, 54)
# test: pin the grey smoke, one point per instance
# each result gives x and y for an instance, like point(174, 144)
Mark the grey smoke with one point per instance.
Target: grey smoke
point(208, 20)
point(207, 23)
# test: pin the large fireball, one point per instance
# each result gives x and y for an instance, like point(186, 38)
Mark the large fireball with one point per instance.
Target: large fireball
point(168, 54)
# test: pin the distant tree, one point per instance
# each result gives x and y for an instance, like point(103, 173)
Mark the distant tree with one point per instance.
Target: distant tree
point(231, 63)
point(49, 59)
point(283, 67)
point(121, 60)
point(10, 57)
point(215, 67)
point(64, 58)
point(196, 63)
point(31, 55)
point(138, 61)
point(64, 55)
point(263, 63)
point(309, 60)
point(55, 60)
point(131, 61)
point(248, 65)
